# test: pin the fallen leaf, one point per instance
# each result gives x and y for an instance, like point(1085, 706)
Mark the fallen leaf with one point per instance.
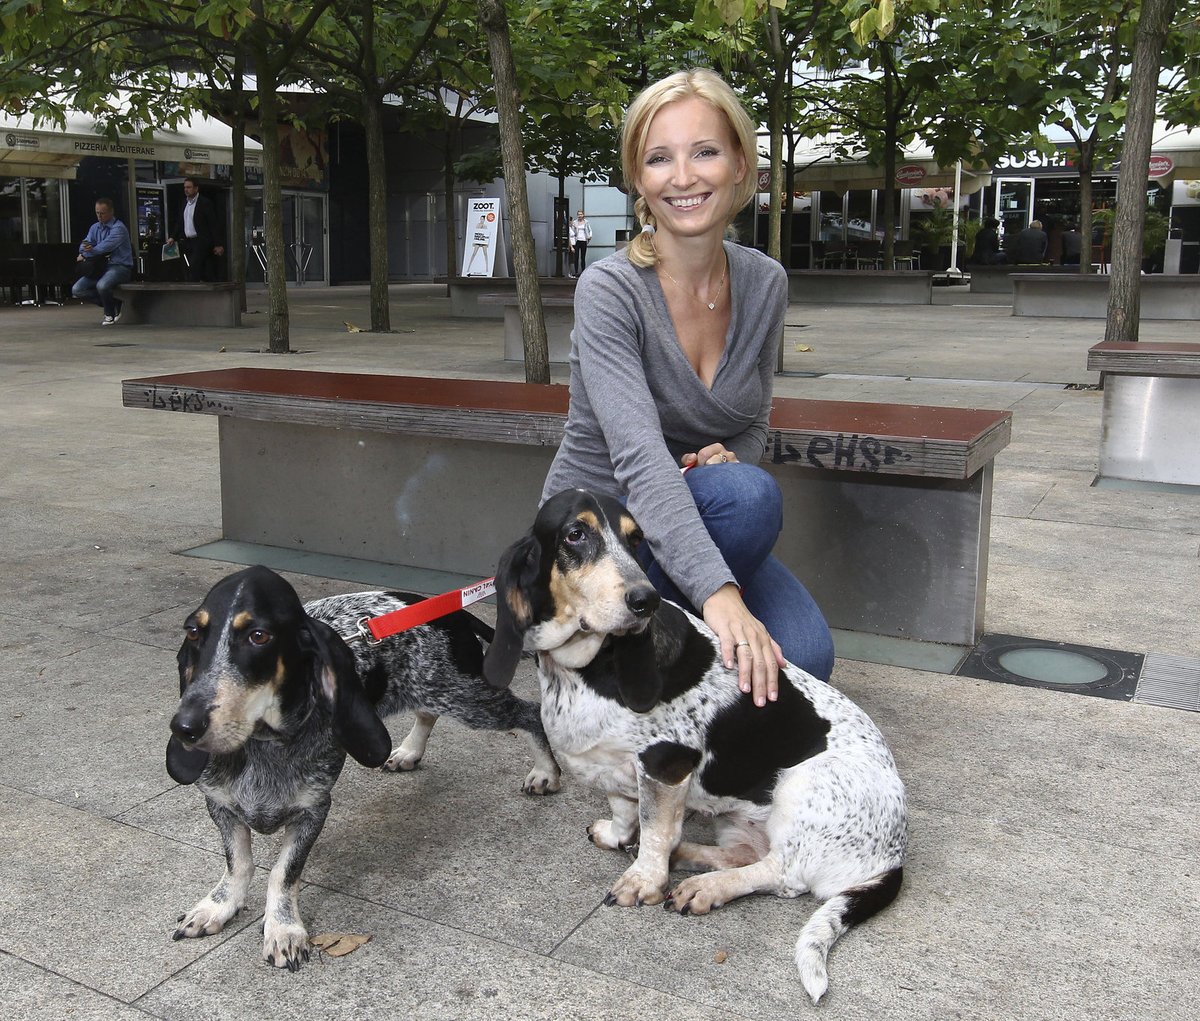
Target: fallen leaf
point(803, 347)
point(351, 328)
point(339, 944)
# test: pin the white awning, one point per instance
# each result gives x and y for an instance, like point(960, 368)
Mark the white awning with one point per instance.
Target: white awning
point(820, 168)
point(45, 150)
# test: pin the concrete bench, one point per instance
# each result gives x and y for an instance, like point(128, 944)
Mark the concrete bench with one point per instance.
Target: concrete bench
point(466, 291)
point(558, 310)
point(181, 304)
point(1151, 396)
point(888, 506)
point(998, 279)
point(1164, 296)
point(860, 287)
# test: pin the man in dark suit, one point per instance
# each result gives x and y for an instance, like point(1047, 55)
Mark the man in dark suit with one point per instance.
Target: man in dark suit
point(198, 231)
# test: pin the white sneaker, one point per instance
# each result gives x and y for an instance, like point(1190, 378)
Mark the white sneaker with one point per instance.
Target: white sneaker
point(108, 320)
point(116, 318)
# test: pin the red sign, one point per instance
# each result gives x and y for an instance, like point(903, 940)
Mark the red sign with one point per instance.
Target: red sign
point(764, 180)
point(1160, 166)
point(910, 175)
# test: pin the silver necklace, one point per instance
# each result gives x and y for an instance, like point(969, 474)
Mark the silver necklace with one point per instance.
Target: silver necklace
point(712, 305)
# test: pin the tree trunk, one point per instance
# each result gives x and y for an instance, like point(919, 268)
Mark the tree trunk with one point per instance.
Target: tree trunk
point(556, 228)
point(891, 143)
point(1125, 282)
point(268, 119)
point(237, 228)
point(529, 300)
point(776, 118)
point(448, 181)
point(889, 196)
point(372, 100)
point(1085, 208)
point(381, 316)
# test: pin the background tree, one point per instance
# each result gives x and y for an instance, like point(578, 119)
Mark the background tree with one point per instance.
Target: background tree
point(569, 96)
point(889, 75)
point(494, 19)
point(358, 57)
point(1124, 288)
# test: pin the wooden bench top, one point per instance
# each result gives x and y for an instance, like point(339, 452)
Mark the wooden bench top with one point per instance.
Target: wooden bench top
point(1008, 268)
point(510, 283)
point(1145, 358)
point(553, 300)
point(896, 439)
point(873, 274)
point(168, 285)
point(1076, 279)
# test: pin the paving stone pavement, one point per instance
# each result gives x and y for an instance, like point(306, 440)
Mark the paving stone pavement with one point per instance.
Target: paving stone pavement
point(1053, 870)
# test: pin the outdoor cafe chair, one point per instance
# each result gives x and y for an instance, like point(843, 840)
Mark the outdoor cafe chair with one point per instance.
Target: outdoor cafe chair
point(905, 255)
point(828, 254)
point(868, 253)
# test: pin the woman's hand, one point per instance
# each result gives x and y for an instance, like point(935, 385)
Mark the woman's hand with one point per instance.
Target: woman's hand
point(745, 644)
point(714, 453)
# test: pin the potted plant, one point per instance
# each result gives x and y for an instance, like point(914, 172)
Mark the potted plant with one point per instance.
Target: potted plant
point(933, 232)
point(1154, 235)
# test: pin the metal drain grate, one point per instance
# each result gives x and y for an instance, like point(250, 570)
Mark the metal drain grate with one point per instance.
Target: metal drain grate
point(1169, 681)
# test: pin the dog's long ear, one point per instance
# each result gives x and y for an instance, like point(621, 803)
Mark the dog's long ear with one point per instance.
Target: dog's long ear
point(186, 658)
point(184, 765)
point(639, 681)
point(515, 577)
point(356, 725)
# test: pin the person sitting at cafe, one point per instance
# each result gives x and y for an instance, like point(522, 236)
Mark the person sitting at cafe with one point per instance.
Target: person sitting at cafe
point(1030, 246)
point(987, 244)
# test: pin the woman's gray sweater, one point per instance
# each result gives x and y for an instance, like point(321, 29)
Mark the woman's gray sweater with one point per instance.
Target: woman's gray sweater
point(637, 404)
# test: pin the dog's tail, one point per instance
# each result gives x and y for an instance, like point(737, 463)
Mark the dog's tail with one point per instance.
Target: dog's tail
point(835, 918)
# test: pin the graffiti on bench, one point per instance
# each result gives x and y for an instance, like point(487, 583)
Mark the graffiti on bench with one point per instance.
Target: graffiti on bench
point(182, 400)
point(840, 453)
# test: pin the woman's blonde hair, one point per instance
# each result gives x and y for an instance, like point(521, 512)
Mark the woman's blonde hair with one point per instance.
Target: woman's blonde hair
point(712, 88)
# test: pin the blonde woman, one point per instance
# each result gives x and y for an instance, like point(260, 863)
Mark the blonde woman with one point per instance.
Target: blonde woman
point(672, 357)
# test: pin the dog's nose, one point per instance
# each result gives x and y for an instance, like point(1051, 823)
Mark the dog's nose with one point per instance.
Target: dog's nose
point(642, 600)
point(189, 725)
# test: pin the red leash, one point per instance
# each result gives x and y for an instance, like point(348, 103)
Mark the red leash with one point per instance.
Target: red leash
point(374, 630)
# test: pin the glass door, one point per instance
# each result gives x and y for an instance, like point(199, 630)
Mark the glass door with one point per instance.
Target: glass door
point(1014, 205)
point(305, 238)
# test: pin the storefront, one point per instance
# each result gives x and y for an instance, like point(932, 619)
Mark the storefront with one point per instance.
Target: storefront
point(840, 199)
point(50, 179)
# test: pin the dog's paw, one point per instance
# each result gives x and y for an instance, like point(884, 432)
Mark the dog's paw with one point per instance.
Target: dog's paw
point(285, 945)
point(636, 888)
point(604, 833)
point(541, 782)
point(696, 895)
point(402, 760)
point(206, 918)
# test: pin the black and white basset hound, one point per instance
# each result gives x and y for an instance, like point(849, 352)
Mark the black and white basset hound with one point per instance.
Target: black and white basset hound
point(271, 701)
point(636, 702)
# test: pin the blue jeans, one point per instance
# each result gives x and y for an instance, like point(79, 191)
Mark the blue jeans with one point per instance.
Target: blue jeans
point(742, 508)
point(101, 291)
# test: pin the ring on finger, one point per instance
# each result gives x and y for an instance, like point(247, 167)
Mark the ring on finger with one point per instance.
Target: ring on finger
point(738, 645)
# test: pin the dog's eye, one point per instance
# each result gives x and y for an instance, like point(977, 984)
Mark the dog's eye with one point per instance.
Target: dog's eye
point(192, 632)
point(576, 534)
point(259, 637)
